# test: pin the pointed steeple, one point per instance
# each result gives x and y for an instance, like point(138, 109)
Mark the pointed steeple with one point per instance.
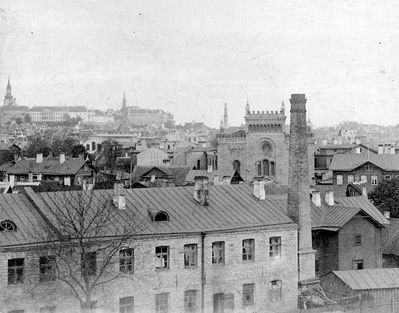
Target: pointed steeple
point(247, 109)
point(9, 100)
point(282, 110)
point(124, 107)
point(225, 117)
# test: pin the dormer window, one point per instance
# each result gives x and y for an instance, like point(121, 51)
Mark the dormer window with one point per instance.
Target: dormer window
point(161, 216)
point(7, 226)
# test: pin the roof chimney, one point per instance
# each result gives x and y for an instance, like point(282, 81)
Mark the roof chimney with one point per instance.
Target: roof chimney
point(380, 149)
point(201, 191)
point(215, 180)
point(316, 198)
point(259, 189)
point(62, 158)
point(364, 191)
point(387, 214)
point(210, 168)
point(39, 157)
point(329, 197)
point(119, 198)
point(298, 204)
point(358, 150)
point(226, 180)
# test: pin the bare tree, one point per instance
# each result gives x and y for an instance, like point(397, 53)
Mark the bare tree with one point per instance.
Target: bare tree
point(94, 242)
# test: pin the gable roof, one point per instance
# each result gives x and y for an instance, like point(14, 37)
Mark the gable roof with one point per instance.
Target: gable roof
point(348, 162)
point(48, 166)
point(390, 237)
point(230, 207)
point(373, 278)
point(178, 173)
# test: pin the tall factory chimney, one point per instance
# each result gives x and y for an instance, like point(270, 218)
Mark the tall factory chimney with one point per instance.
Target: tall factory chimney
point(299, 208)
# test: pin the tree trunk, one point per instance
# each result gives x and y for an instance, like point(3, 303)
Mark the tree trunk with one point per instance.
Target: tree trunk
point(88, 306)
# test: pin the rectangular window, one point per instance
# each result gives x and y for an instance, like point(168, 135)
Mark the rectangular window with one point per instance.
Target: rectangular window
point(89, 263)
point(358, 264)
point(369, 168)
point(126, 305)
point(47, 268)
point(275, 247)
point(357, 178)
point(16, 271)
point(351, 179)
point(190, 255)
point(126, 261)
point(248, 294)
point(162, 257)
point(387, 177)
point(275, 290)
point(162, 302)
point(363, 179)
point(340, 180)
point(317, 266)
point(48, 309)
point(248, 250)
point(358, 240)
point(218, 252)
point(190, 301)
point(374, 180)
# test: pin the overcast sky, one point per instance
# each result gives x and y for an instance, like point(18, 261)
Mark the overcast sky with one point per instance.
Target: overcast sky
point(189, 57)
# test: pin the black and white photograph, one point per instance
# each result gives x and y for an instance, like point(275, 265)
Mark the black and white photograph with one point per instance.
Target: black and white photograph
point(175, 156)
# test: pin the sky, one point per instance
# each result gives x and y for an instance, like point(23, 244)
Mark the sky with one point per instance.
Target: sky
point(190, 57)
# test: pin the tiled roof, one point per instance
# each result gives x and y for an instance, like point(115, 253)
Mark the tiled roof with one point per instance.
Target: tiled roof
point(230, 207)
point(193, 173)
point(178, 173)
point(51, 167)
point(373, 278)
point(30, 226)
point(348, 162)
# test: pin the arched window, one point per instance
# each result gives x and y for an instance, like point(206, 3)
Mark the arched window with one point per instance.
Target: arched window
point(161, 216)
point(7, 226)
point(272, 169)
point(265, 164)
point(237, 166)
point(87, 147)
point(258, 168)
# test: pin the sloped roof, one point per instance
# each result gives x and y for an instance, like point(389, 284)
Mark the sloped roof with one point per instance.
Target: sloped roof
point(51, 167)
point(390, 237)
point(193, 173)
point(230, 207)
point(178, 173)
point(30, 226)
point(348, 162)
point(373, 278)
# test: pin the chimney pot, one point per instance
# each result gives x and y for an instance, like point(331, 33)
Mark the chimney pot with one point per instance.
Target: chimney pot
point(259, 189)
point(316, 198)
point(387, 214)
point(226, 180)
point(380, 149)
point(364, 191)
point(62, 158)
point(329, 197)
point(39, 157)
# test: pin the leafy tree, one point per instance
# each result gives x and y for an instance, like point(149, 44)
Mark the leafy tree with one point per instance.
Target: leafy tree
point(78, 149)
point(386, 197)
point(110, 151)
point(27, 118)
point(37, 145)
point(18, 120)
point(63, 145)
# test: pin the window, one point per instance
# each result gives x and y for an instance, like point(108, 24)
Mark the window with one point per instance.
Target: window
point(357, 178)
point(275, 247)
point(126, 305)
point(358, 240)
point(7, 226)
point(89, 263)
point(162, 302)
point(198, 164)
point(272, 169)
point(351, 179)
point(339, 180)
point(387, 177)
point(48, 309)
point(317, 266)
point(190, 301)
point(374, 180)
point(161, 216)
point(126, 260)
point(162, 257)
point(223, 303)
point(248, 250)
point(237, 166)
point(369, 168)
point(248, 294)
point(275, 291)
point(47, 268)
point(357, 264)
point(190, 255)
point(16, 271)
point(265, 164)
point(258, 168)
point(363, 179)
point(218, 252)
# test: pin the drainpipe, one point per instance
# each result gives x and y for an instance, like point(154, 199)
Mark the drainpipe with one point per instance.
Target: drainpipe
point(202, 272)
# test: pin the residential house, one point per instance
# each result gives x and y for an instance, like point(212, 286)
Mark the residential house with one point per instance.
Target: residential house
point(153, 157)
point(159, 176)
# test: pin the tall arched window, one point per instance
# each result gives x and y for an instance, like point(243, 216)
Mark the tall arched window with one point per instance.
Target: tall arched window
point(272, 169)
point(258, 168)
point(237, 166)
point(265, 164)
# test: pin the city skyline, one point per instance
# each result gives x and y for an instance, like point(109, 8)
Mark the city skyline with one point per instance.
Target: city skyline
point(177, 57)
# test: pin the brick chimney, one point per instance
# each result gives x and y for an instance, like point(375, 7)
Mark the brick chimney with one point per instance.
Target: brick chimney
point(201, 190)
point(259, 189)
point(62, 158)
point(298, 204)
point(316, 198)
point(39, 157)
point(329, 197)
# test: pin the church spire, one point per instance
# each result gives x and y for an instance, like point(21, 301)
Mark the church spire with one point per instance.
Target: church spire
point(282, 110)
point(225, 117)
point(9, 100)
point(124, 107)
point(247, 109)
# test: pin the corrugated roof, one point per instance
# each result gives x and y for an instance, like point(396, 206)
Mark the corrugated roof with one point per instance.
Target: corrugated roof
point(48, 166)
point(178, 173)
point(390, 237)
point(30, 226)
point(230, 207)
point(348, 162)
point(374, 278)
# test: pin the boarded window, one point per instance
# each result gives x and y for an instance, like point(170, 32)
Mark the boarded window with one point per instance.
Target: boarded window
point(275, 290)
point(162, 302)
point(126, 305)
point(190, 301)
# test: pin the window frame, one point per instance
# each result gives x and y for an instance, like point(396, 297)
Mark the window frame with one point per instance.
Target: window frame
point(276, 291)
point(351, 178)
point(126, 262)
point(163, 257)
point(248, 294)
point(92, 263)
point(340, 179)
point(13, 269)
point(248, 256)
point(387, 177)
point(218, 252)
point(190, 255)
point(356, 263)
point(7, 226)
point(47, 269)
point(162, 302)
point(126, 304)
point(357, 240)
point(190, 301)
point(275, 247)
point(374, 180)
